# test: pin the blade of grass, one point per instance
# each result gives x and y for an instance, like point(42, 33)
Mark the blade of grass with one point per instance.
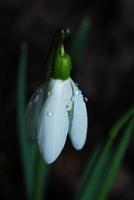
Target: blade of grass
point(89, 191)
point(40, 179)
point(27, 149)
point(87, 172)
point(116, 161)
point(23, 140)
point(80, 41)
point(96, 175)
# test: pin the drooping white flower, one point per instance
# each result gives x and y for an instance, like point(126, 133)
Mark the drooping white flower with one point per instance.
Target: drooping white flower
point(55, 111)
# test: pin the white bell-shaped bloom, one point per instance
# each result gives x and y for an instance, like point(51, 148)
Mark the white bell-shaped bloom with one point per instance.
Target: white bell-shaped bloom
point(55, 111)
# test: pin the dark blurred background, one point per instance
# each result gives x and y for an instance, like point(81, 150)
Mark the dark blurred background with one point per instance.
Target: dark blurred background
point(105, 73)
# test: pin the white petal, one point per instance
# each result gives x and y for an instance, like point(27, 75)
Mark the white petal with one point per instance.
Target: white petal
point(53, 123)
point(58, 85)
point(33, 110)
point(78, 121)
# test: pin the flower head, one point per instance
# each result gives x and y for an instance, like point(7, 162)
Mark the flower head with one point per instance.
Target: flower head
point(57, 110)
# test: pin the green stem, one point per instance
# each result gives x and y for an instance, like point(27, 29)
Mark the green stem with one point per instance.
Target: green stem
point(89, 191)
point(116, 161)
point(40, 176)
point(21, 94)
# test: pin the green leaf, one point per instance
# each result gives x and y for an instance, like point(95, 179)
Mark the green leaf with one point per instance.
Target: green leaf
point(28, 149)
point(97, 173)
point(40, 178)
point(79, 42)
point(116, 161)
point(88, 171)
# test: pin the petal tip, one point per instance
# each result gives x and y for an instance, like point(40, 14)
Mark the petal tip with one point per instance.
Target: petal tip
point(51, 157)
point(48, 155)
point(49, 160)
point(78, 146)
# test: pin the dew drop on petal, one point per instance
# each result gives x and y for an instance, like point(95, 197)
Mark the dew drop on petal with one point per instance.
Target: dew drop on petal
point(49, 114)
point(49, 93)
point(86, 99)
point(77, 92)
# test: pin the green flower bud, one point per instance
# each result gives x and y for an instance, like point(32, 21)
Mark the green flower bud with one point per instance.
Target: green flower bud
point(61, 64)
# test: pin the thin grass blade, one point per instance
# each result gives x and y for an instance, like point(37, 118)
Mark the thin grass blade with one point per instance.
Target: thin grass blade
point(87, 172)
point(22, 134)
point(116, 161)
point(79, 42)
point(94, 180)
point(40, 179)
point(34, 168)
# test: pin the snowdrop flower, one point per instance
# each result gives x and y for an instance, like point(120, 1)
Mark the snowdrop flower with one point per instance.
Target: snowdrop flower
point(57, 109)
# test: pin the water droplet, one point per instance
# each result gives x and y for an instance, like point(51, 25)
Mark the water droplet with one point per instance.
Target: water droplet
point(77, 92)
point(68, 31)
point(86, 99)
point(49, 114)
point(49, 93)
point(62, 31)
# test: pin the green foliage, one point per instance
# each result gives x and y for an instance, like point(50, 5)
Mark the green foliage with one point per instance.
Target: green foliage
point(116, 161)
point(31, 161)
point(104, 162)
point(40, 179)
point(98, 179)
point(80, 41)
